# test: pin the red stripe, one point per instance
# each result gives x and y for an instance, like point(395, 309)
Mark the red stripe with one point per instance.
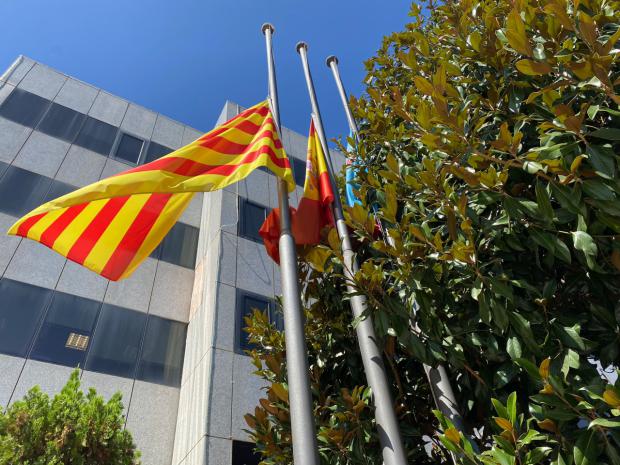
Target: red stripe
point(25, 226)
point(87, 240)
point(222, 145)
point(262, 110)
point(326, 193)
point(51, 233)
point(135, 235)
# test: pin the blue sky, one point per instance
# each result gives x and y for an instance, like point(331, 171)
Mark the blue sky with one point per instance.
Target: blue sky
point(184, 58)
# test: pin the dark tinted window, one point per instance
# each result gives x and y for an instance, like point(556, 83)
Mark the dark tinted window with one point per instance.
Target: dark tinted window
point(246, 304)
point(125, 328)
point(61, 122)
point(58, 189)
point(155, 151)
point(129, 148)
point(179, 246)
point(24, 108)
point(22, 190)
point(299, 171)
point(3, 168)
point(252, 218)
point(243, 453)
point(67, 329)
point(97, 136)
point(21, 308)
point(163, 351)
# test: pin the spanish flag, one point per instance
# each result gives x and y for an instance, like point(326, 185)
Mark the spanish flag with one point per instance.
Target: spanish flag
point(314, 210)
point(112, 225)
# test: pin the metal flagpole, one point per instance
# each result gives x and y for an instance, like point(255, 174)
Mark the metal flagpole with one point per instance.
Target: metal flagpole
point(389, 434)
point(437, 377)
point(305, 450)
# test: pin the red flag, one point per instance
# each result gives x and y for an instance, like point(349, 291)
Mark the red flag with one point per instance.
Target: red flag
point(313, 213)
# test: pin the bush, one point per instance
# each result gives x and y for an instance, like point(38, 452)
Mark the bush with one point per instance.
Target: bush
point(72, 428)
point(489, 150)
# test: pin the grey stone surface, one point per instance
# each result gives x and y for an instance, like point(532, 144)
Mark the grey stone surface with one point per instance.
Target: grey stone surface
point(190, 135)
point(34, 263)
point(11, 367)
point(256, 187)
point(168, 132)
point(113, 167)
point(298, 145)
point(81, 166)
point(78, 280)
point(77, 95)
point(229, 213)
point(107, 385)
point(49, 377)
point(133, 292)
point(152, 419)
point(5, 90)
point(139, 121)
point(219, 451)
point(22, 66)
point(247, 390)
point(8, 244)
point(225, 317)
point(254, 267)
point(42, 154)
point(108, 108)
point(172, 292)
point(43, 81)
point(12, 137)
point(228, 259)
point(193, 212)
point(220, 394)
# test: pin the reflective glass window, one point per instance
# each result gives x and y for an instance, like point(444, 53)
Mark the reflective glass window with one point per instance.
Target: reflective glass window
point(24, 108)
point(180, 245)
point(67, 329)
point(58, 189)
point(124, 327)
point(163, 350)
point(299, 171)
point(97, 136)
point(129, 148)
point(61, 122)
point(252, 218)
point(21, 308)
point(243, 453)
point(246, 304)
point(21, 190)
point(156, 151)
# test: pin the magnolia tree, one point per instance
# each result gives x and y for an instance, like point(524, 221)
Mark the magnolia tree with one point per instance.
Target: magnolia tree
point(489, 154)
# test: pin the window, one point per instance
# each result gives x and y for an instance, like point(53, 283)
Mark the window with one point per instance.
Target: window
point(299, 171)
point(125, 328)
point(61, 122)
point(180, 245)
point(21, 308)
point(129, 148)
point(252, 218)
point(58, 189)
point(243, 453)
point(156, 151)
point(66, 331)
point(21, 190)
point(246, 304)
point(3, 168)
point(24, 108)
point(163, 351)
point(97, 136)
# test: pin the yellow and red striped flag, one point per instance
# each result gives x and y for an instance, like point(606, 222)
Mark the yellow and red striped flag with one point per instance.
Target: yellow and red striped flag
point(112, 225)
point(314, 210)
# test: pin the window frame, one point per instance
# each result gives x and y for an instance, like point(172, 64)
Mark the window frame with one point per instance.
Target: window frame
point(241, 224)
point(240, 296)
point(117, 142)
point(145, 151)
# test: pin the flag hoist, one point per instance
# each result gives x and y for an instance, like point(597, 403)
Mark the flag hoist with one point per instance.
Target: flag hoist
point(437, 377)
point(305, 450)
point(387, 424)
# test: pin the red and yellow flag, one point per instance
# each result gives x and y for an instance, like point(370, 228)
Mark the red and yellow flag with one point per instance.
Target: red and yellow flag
point(313, 212)
point(112, 225)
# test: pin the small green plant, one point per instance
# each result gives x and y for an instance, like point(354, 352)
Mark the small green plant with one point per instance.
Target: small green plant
point(70, 428)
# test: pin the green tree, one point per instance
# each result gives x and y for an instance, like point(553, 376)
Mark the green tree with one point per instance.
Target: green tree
point(71, 428)
point(490, 134)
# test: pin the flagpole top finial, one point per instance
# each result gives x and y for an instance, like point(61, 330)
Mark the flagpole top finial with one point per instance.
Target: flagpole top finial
point(301, 45)
point(269, 26)
point(329, 59)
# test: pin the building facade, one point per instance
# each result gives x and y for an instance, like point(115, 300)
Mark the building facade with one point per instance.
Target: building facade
point(170, 338)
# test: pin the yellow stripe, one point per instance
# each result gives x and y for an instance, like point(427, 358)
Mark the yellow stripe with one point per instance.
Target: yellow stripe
point(72, 233)
point(39, 228)
point(114, 233)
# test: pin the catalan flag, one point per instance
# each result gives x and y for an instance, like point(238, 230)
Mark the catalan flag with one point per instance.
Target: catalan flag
point(314, 210)
point(112, 225)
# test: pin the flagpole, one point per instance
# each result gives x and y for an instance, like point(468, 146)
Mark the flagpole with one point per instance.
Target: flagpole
point(372, 358)
point(444, 397)
point(305, 450)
